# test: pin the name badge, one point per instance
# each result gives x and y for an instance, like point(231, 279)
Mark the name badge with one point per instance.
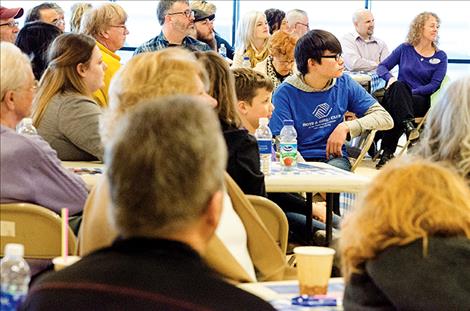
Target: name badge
point(434, 61)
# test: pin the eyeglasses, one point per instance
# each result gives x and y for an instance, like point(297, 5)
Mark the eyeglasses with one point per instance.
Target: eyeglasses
point(58, 22)
point(336, 56)
point(124, 27)
point(299, 23)
point(11, 24)
point(187, 13)
point(286, 62)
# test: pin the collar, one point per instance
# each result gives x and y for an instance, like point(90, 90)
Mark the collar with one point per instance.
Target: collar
point(107, 51)
point(358, 36)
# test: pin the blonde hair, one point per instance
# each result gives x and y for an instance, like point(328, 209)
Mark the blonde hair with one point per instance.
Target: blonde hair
point(61, 75)
point(98, 20)
point(15, 68)
point(416, 28)
point(150, 75)
point(410, 199)
point(78, 9)
point(446, 136)
point(246, 29)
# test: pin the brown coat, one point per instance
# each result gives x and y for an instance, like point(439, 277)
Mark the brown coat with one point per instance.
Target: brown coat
point(270, 263)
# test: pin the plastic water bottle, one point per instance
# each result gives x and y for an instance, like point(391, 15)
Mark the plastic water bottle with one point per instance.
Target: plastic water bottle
point(288, 146)
point(15, 276)
point(26, 127)
point(223, 50)
point(246, 62)
point(265, 144)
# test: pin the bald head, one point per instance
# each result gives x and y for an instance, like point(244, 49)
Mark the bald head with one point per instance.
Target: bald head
point(364, 23)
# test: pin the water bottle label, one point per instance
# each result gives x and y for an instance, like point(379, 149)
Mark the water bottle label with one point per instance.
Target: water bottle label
point(10, 301)
point(265, 146)
point(288, 154)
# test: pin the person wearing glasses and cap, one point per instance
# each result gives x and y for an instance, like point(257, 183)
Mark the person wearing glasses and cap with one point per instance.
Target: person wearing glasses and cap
point(176, 19)
point(8, 25)
point(204, 15)
point(47, 12)
point(318, 96)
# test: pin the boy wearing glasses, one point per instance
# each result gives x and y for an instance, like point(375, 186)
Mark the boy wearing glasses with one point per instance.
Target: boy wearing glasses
point(176, 19)
point(317, 98)
point(8, 26)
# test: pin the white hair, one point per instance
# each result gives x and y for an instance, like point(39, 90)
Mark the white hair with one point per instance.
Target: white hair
point(246, 29)
point(294, 16)
point(15, 68)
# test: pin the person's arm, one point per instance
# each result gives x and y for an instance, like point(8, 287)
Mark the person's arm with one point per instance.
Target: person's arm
point(52, 185)
point(436, 80)
point(352, 57)
point(238, 59)
point(383, 69)
point(79, 122)
point(281, 111)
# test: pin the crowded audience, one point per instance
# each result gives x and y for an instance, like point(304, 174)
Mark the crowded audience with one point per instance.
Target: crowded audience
point(172, 126)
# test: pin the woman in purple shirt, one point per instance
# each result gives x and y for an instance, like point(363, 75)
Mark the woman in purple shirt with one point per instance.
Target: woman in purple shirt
point(422, 67)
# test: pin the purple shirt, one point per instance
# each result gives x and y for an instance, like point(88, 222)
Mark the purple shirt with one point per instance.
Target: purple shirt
point(423, 74)
point(31, 172)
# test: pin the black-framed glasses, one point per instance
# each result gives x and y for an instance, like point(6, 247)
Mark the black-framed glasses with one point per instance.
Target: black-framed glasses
point(299, 23)
point(187, 13)
point(11, 24)
point(337, 57)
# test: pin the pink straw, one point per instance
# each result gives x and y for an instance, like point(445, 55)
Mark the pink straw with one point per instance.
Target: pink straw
point(65, 233)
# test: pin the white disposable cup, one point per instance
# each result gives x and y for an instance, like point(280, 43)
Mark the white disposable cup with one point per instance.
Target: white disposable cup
point(61, 263)
point(314, 265)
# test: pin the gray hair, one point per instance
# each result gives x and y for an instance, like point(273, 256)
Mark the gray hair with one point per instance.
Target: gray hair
point(446, 136)
point(166, 161)
point(35, 13)
point(163, 7)
point(357, 15)
point(98, 20)
point(295, 15)
point(15, 68)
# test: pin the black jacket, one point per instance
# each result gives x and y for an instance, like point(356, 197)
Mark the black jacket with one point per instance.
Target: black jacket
point(401, 278)
point(139, 274)
point(243, 160)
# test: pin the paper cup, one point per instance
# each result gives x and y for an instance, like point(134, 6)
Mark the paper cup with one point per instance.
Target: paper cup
point(314, 269)
point(60, 263)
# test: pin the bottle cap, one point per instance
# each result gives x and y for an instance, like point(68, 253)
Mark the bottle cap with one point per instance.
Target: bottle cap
point(222, 45)
point(246, 58)
point(13, 249)
point(263, 121)
point(288, 122)
point(27, 121)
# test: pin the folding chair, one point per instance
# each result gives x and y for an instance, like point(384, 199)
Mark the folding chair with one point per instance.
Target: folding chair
point(358, 147)
point(34, 226)
point(273, 218)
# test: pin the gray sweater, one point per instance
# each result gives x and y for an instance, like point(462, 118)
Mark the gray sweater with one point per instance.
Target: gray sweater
point(71, 126)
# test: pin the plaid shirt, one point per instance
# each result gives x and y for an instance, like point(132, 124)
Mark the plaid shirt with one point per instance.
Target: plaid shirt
point(160, 42)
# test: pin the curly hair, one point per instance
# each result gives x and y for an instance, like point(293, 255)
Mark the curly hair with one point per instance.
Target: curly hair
point(282, 44)
point(446, 136)
point(416, 28)
point(410, 199)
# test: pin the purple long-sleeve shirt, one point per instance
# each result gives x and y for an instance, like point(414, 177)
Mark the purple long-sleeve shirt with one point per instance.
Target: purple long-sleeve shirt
point(31, 172)
point(423, 74)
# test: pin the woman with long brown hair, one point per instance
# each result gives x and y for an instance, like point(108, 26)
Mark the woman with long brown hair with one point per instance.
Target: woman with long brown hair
point(64, 112)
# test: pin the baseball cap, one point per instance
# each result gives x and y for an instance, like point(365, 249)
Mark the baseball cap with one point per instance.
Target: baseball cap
point(200, 15)
point(9, 13)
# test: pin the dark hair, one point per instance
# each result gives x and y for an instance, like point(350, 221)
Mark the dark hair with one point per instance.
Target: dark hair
point(34, 40)
point(248, 82)
point(35, 13)
point(274, 18)
point(163, 7)
point(312, 45)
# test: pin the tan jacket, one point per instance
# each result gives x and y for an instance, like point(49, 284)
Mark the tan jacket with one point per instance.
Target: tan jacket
point(269, 262)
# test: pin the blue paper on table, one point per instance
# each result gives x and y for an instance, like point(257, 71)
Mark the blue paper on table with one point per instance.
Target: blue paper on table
point(294, 288)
